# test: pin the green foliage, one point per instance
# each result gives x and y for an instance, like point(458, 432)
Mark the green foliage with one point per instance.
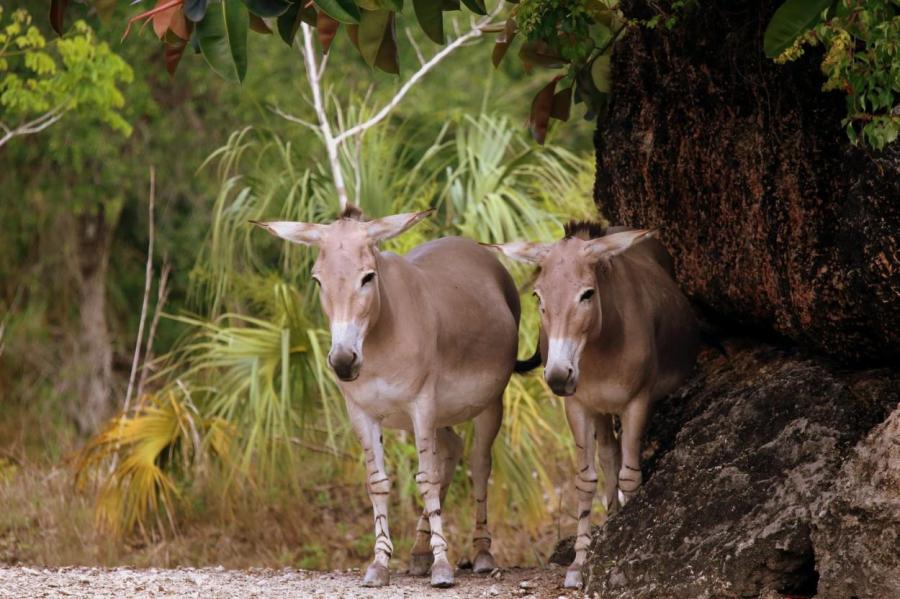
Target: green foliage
point(75, 73)
point(862, 59)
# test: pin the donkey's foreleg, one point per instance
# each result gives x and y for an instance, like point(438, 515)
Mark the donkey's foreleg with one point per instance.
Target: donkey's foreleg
point(610, 454)
point(583, 429)
point(428, 479)
point(634, 419)
point(487, 424)
point(379, 486)
point(450, 450)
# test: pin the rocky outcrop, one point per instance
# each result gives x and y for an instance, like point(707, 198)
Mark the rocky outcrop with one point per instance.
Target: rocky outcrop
point(737, 465)
point(775, 221)
point(856, 525)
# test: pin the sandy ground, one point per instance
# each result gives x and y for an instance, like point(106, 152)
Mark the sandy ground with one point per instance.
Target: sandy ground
point(25, 582)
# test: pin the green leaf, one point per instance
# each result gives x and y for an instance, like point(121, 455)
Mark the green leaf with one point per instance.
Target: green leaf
point(428, 12)
point(600, 73)
point(212, 39)
point(372, 27)
point(268, 8)
point(790, 21)
point(237, 23)
point(195, 10)
point(344, 11)
point(476, 6)
point(289, 22)
point(57, 15)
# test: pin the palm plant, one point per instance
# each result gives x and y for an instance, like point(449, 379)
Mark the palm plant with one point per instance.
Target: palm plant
point(253, 363)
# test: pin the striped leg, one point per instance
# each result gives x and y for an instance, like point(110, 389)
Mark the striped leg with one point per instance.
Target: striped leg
point(634, 419)
point(609, 452)
point(583, 429)
point(487, 424)
point(379, 486)
point(450, 449)
point(428, 479)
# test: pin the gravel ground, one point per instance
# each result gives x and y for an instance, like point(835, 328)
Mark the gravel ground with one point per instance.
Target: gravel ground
point(219, 583)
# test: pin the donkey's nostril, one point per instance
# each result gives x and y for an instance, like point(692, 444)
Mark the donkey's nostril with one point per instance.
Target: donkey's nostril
point(569, 375)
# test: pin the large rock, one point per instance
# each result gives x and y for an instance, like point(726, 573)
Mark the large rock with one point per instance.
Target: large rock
point(775, 221)
point(737, 466)
point(856, 526)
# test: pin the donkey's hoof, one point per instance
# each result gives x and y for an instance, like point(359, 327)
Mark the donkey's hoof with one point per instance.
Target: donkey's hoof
point(442, 574)
point(573, 579)
point(377, 576)
point(420, 563)
point(484, 563)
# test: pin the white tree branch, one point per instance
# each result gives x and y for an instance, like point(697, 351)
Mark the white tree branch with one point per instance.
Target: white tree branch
point(313, 75)
point(382, 114)
point(34, 126)
point(412, 42)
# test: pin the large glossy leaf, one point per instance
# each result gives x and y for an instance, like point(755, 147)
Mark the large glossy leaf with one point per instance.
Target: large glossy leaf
point(344, 11)
point(289, 22)
point(428, 12)
point(258, 25)
point(212, 38)
point(58, 14)
point(476, 6)
point(792, 19)
point(237, 23)
point(504, 40)
point(600, 73)
point(173, 56)
point(326, 28)
point(562, 104)
point(372, 27)
point(267, 8)
point(388, 59)
point(541, 109)
point(195, 10)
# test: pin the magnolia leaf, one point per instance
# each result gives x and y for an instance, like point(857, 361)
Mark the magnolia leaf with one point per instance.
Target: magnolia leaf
point(541, 109)
point(447, 5)
point(428, 12)
point(344, 11)
point(258, 25)
point(388, 59)
point(326, 28)
point(476, 6)
point(268, 8)
point(173, 55)
point(538, 53)
point(790, 21)
point(289, 22)
point(562, 104)
point(212, 38)
point(600, 73)
point(237, 23)
point(195, 10)
point(504, 40)
point(372, 26)
point(58, 15)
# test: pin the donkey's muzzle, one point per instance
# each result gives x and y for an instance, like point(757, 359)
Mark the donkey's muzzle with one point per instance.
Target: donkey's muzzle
point(345, 364)
point(561, 380)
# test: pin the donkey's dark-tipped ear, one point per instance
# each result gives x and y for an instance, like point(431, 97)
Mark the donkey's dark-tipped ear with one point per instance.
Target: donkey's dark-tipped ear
point(613, 245)
point(522, 251)
point(381, 229)
point(302, 233)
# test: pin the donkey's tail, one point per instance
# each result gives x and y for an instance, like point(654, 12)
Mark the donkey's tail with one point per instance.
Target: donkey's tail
point(523, 366)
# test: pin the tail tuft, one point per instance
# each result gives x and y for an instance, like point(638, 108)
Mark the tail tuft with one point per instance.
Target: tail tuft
point(523, 366)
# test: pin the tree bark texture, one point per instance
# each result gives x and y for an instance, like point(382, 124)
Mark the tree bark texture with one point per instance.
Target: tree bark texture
point(776, 222)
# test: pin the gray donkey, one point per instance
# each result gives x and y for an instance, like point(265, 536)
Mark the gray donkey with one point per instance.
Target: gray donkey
point(616, 335)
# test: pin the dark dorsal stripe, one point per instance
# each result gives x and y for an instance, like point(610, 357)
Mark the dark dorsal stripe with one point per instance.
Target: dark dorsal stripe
point(351, 212)
point(584, 229)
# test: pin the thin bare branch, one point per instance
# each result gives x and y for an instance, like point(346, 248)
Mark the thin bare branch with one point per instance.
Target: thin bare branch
point(162, 293)
point(34, 126)
point(148, 283)
point(294, 119)
point(382, 114)
point(412, 42)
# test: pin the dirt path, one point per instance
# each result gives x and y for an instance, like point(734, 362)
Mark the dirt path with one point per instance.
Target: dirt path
point(203, 583)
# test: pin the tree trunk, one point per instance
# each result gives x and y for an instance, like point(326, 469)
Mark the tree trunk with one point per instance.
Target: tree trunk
point(94, 361)
point(776, 222)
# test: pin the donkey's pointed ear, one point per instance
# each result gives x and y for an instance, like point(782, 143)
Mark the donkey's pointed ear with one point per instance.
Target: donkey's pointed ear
point(613, 245)
point(381, 229)
point(522, 251)
point(302, 233)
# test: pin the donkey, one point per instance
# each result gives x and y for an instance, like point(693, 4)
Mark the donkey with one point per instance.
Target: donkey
point(418, 342)
point(616, 335)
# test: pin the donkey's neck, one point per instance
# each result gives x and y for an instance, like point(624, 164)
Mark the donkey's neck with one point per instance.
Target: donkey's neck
point(396, 283)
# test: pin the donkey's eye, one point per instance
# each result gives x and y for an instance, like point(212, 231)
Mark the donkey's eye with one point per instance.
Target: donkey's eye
point(367, 278)
point(586, 295)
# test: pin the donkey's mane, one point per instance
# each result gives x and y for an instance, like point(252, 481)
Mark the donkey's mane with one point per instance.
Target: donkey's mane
point(584, 229)
point(351, 212)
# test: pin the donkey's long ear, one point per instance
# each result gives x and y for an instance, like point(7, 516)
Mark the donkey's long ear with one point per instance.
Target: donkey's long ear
point(391, 226)
point(303, 233)
point(522, 251)
point(613, 245)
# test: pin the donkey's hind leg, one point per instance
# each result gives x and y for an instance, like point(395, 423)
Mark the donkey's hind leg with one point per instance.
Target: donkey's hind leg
point(450, 448)
point(487, 424)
